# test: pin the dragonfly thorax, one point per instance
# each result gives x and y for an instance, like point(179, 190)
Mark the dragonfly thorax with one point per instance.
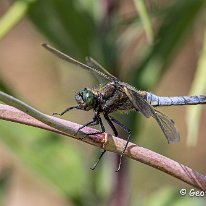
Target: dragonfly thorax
point(86, 99)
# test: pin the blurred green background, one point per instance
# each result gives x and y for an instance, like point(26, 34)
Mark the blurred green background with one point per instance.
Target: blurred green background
point(154, 45)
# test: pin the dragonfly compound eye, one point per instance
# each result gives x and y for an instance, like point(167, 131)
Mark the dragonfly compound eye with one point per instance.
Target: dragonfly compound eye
point(86, 99)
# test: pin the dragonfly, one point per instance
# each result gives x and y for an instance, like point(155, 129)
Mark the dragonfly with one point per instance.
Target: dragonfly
point(116, 95)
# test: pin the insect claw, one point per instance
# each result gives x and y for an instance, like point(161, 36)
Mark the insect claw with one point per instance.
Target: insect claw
point(117, 169)
point(56, 114)
point(75, 134)
point(81, 138)
point(93, 167)
point(120, 162)
point(97, 162)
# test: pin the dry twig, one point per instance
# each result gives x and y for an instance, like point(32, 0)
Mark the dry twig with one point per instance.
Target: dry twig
point(33, 117)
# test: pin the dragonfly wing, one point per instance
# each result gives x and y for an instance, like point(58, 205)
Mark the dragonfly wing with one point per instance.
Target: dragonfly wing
point(166, 124)
point(139, 103)
point(69, 59)
point(94, 64)
point(168, 127)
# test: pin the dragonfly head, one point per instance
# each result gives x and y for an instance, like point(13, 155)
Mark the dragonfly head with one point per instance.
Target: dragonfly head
point(86, 99)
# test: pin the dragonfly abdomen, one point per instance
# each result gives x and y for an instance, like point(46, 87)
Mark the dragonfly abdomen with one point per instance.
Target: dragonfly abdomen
point(155, 100)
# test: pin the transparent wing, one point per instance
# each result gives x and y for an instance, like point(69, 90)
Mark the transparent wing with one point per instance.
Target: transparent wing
point(139, 103)
point(168, 127)
point(94, 64)
point(166, 124)
point(69, 59)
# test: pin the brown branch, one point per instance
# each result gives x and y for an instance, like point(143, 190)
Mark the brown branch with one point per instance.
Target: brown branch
point(105, 141)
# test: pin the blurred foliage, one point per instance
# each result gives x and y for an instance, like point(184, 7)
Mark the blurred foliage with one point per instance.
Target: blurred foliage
point(198, 87)
point(13, 16)
point(94, 28)
point(171, 35)
point(144, 16)
point(4, 182)
point(167, 196)
point(47, 150)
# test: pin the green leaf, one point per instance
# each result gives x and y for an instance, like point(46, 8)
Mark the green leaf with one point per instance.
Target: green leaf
point(144, 16)
point(177, 23)
point(64, 24)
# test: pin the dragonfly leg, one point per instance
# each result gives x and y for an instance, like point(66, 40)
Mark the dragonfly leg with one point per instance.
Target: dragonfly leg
point(96, 120)
point(111, 124)
point(101, 155)
point(115, 133)
point(97, 162)
point(126, 129)
point(66, 110)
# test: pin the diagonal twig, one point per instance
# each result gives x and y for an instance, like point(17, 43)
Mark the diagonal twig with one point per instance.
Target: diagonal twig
point(33, 117)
